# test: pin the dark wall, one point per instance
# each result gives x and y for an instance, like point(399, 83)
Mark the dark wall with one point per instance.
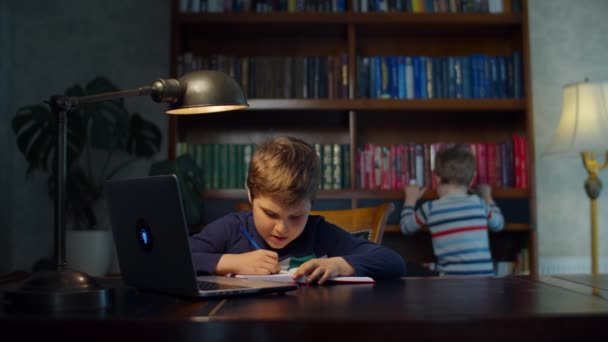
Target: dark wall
point(5, 237)
point(47, 46)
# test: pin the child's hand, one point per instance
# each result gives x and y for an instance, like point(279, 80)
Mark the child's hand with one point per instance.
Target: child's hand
point(260, 262)
point(413, 194)
point(319, 270)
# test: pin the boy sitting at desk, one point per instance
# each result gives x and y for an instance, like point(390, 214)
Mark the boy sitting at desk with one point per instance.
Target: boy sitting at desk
point(283, 179)
point(458, 221)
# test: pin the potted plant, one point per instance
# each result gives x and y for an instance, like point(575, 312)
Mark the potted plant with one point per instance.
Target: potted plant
point(102, 139)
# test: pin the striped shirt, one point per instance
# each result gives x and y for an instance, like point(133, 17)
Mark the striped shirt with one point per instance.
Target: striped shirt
point(459, 225)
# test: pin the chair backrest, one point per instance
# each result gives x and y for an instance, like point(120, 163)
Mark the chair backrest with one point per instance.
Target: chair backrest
point(367, 222)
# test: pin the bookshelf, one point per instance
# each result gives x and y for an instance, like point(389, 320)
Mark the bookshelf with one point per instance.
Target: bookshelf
point(350, 114)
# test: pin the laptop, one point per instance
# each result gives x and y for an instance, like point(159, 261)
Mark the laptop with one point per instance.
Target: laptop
point(151, 237)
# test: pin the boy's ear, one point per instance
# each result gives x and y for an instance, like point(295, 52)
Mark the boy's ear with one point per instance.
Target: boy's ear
point(249, 195)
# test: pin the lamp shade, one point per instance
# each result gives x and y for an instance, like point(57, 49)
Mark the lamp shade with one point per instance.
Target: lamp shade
point(583, 125)
point(208, 91)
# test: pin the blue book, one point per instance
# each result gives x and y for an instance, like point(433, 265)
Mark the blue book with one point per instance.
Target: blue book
point(423, 77)
point(394, 76)
point(493, 77)
point(385, 77)
point(502, 77)
point(458, 86)
point(467, 92)
point(378, 77)
point(518, 85)
point(437, 77)
point(451, 77)
point(401, 77)
point(417, 77)
point(409, 78)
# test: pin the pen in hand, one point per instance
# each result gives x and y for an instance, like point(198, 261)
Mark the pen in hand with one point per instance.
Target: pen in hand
point(249, 237)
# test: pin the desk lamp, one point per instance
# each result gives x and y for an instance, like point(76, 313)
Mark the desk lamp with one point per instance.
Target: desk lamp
point(583, 130)
point(63, 289)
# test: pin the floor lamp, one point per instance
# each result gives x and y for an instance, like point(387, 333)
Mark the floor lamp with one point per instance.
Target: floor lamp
point(583, 130)
point(63, 289)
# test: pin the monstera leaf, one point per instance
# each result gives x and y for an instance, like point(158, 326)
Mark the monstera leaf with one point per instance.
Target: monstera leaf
point(105, 126)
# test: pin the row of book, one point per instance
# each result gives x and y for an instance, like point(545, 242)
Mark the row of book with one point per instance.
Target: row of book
point(436, 6)
point(340, 6)
point(261, 6)
point(380, 167)
point(378, 77)
point(306, 77)
point(225, 166)
point(422, 77)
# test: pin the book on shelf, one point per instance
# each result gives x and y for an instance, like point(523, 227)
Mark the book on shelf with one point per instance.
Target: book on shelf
point(500, 164)
point(340, 6)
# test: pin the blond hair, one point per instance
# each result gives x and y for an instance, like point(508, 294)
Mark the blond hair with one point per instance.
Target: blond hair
point(455, 165)
point(286, 169)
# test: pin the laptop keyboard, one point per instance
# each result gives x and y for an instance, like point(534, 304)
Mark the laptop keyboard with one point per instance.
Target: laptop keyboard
point(210, 286)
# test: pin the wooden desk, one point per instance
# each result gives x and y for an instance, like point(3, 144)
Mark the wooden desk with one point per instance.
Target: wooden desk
point(583, 283)
point(434, 309)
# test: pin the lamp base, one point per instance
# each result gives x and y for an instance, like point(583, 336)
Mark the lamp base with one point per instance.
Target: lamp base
point(58, 291)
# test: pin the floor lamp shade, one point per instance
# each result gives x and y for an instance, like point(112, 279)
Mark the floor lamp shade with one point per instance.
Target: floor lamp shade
point(583, 125)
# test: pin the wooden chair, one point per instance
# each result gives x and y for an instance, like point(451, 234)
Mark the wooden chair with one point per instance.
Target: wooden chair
point(367, 222)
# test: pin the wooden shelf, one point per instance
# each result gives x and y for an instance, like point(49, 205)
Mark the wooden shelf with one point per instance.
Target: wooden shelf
point(361, 194)
point(509, 227)
point(421, 19)
point(388, 105)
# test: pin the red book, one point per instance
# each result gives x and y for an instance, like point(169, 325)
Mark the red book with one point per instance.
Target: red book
point(360, 167)
point(427, 165)
point(395, 167)
point(498, 160)
point(405, 165)
point(517, 161)
point(491, 155)
point(385, 165)
point(411, 162)
point(481, 158)
point(521, 168)
point(369, 166)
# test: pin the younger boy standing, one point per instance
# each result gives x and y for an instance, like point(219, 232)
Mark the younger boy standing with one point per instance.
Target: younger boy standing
point(458, 222)
point(283, 179)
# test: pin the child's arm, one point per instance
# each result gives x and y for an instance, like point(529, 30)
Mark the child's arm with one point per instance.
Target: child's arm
point(411, 220)
point(496, 221)
point(259, 262)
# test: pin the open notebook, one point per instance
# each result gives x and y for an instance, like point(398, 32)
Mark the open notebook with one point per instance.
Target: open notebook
point(287, 277)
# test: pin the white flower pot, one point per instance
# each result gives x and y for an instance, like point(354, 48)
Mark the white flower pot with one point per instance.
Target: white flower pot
point(89, 251)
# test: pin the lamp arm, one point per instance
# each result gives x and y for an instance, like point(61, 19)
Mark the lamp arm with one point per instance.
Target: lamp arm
point(161, 90)
point(141, 91)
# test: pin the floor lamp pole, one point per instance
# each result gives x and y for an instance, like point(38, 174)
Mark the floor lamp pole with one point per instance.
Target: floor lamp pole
point(593, 187)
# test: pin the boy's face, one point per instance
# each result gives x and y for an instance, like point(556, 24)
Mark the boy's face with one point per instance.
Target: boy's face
point(278, 225)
